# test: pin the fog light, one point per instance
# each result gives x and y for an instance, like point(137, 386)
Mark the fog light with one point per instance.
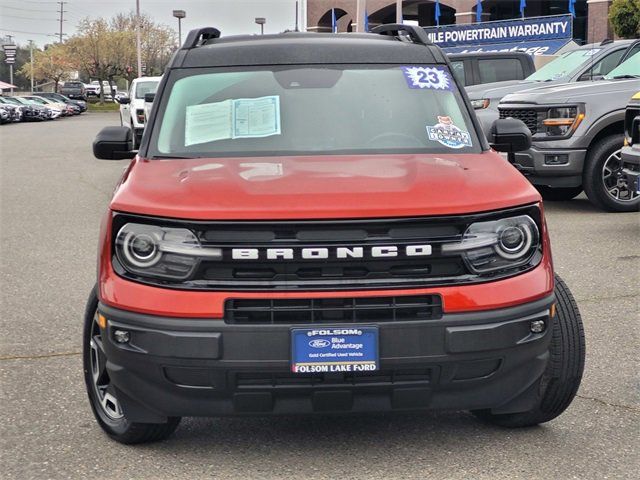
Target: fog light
point(122, 336)
point(537, 326)
point(561, 159)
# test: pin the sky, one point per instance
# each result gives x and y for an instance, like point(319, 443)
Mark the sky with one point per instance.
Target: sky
point(38, 19)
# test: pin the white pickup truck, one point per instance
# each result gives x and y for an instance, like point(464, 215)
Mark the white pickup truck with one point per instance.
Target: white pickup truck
point(93, 89)
point(132, 107)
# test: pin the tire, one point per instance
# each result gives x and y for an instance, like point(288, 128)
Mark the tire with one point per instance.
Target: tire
point(559, 194)
point(563, 374)
point(607, 188)
point(108, 413)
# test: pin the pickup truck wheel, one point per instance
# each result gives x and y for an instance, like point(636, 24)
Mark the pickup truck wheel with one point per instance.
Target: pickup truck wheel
point(102, 396)
point(559, 194)
point(561, 379)
point(603, 178)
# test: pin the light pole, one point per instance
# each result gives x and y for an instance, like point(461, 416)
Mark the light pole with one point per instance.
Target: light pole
point(138, 48)
point(179, 14)
point(261, 21)
point(31, 59)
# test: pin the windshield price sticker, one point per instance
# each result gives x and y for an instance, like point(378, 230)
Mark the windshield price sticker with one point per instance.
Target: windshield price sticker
point(326, 350)
point(447, 134)
point(433, 78)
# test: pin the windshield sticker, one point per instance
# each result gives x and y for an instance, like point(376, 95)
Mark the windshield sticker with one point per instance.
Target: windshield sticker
point(230, 119)
point(433, 78)
point(446, 133)
point(590, 53)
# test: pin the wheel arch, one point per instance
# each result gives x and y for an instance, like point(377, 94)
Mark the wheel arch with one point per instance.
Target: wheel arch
point(609, 125)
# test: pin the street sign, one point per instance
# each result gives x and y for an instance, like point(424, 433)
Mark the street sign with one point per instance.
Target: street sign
point(9, 53)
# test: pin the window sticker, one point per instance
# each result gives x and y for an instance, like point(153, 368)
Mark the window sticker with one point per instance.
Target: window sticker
point(237, 118)
point(591, 53)
point(446, 133)
point(434, 78)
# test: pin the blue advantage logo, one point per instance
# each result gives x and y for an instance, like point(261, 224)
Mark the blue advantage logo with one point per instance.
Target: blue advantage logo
point(319, 343)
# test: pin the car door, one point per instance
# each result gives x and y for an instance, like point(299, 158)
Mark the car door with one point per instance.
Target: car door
point(125, 109)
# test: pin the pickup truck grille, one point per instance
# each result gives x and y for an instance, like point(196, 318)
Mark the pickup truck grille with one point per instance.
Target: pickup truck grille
point(528, 116)
point(342, 254)
point(329, 310)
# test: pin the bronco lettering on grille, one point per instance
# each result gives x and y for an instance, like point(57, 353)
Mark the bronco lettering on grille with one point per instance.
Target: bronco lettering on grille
point(314, 253)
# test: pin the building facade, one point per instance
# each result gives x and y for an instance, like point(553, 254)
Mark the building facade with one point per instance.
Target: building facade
point(589, 25)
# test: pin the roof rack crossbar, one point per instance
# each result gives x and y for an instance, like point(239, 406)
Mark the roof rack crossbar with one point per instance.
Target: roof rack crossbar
point(199, 36)
point(415, 34)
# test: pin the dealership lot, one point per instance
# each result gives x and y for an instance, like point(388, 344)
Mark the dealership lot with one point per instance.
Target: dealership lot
point(53, 194)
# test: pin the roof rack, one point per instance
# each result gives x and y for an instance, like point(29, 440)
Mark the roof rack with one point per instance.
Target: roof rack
point(200, 36)
point(413, 33)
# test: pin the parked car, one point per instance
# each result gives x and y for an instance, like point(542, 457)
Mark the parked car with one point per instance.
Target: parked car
point(31, 111)
point(59, 109)
point(132, 106)
point(109, 91)
point(5, 115)
point(81, 104)
point(478, 68)
point(332, 237)
point(15, 111)
point(577, 133)
point(631, 150)
point(74, 89)
point(588, 62)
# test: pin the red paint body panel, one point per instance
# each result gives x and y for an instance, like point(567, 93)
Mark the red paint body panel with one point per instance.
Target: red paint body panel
point(315, 187)
point(319, 188)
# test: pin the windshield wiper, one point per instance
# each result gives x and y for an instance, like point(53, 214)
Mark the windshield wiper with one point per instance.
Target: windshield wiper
point(171, 157)
point(627, 75)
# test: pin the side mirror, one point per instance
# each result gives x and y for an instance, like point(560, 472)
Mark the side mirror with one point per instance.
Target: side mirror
point(113, 143)
point(123, 100)
point(149, 97)
point(509, 135)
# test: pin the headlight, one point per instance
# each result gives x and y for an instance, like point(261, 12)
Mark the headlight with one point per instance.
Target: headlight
point(561, 121)
point(480, 104)
point(497, 245)
point(161, 252)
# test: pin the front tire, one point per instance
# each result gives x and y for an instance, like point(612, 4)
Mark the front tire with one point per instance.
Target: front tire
point(603, 178)
point(559, 194)
point(563, 374)
point(103, 397)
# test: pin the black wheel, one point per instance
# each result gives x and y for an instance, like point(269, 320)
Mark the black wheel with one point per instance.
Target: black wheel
point(561, 379)
point(604, 181)
point(102, 396)
point(559, 194)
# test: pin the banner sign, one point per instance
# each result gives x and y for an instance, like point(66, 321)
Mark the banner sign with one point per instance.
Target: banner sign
point(535, 29)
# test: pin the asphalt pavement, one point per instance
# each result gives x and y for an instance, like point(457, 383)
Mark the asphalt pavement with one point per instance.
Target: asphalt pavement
point(52, 196)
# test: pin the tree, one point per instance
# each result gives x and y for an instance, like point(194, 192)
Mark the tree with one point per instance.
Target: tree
point(92, 50)
point(624, 15)
point(52, 64)
point(157, 42)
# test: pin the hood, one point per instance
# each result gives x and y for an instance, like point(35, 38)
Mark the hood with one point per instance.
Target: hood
point(315, 187)
point(614, 91)
point(497, 89)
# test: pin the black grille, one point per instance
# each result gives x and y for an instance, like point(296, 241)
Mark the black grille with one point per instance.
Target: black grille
point(330, 310)
point(528, 116)
point(266, 380)
point(332, 273)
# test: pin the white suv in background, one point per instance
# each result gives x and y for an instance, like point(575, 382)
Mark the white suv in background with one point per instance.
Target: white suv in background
point(132, 107)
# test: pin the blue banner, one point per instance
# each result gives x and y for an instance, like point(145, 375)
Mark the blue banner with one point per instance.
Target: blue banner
point(543, 47)
point(535, 29)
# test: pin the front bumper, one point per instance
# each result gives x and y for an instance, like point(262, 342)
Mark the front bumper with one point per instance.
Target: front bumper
point(206, 367)
point(552, 167)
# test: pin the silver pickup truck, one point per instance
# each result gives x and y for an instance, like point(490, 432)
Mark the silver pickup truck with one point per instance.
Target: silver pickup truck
point(577, 133)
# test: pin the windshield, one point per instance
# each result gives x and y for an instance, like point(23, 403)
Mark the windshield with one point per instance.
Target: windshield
point(309, 110)
point(143, 88)
point(630, 68)
point(563, 66)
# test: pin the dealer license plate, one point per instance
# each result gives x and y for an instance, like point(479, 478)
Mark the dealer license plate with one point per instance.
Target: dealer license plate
point(334, 349)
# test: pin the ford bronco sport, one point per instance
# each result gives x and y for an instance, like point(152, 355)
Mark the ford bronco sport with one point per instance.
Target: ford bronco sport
point(315, 223)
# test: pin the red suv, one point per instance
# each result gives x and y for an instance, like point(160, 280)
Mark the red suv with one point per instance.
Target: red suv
point(314, 223)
